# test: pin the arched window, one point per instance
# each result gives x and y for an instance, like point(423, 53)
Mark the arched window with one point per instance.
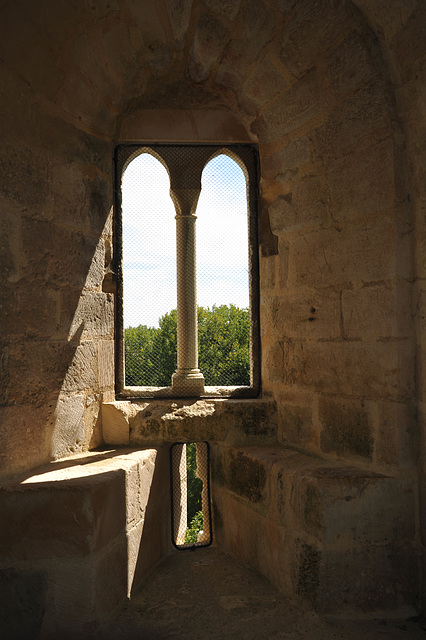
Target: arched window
point(170, 198)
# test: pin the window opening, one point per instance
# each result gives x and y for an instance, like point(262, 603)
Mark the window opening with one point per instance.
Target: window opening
point(190, 479)
point(223, 284)
point(149, 273)
point(168, 199)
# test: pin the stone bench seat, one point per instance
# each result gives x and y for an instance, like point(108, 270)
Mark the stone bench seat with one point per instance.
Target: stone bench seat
point(77, 538)
point(336, 534)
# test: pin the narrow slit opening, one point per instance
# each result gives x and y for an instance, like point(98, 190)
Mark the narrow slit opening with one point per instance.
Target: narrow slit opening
point(190, 485)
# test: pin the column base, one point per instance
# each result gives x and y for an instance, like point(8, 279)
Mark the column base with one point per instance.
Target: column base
point(188, 382)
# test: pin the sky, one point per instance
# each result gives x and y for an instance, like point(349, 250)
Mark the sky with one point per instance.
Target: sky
point(149, 239)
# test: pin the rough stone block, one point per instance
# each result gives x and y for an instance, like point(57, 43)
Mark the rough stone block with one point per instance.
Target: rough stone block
point(22, 602)
point(299, 105)
point(243, 472)
point(232, 421)
point(351, 64)
point(24, 165)
point(337, 256)
point(375, 579)
point(75, 521)
point(24, 423)
point(365, 508)
point(106, 364)
point(304, 206)
point(258, 25)
point(362, 121)
point(305, 314)
point(295, 424)
point(377, 312)
point(56, 255)
point(294, 154)
point(209, 39)
point(81, 372)
point(373, 370)
point(347, 427)
point(261, 85)
point(395, 429)
point(115, 423)
point(91, 315)
point(268, 272)
point(362, 183)
point(324, 530)
point(314, 31)
point(67, 431)
point(28, 310)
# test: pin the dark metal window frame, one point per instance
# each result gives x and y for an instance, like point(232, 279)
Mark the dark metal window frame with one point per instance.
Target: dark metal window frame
point(248, 156)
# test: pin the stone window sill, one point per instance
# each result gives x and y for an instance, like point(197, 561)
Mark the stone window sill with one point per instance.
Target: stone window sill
point(155, 421)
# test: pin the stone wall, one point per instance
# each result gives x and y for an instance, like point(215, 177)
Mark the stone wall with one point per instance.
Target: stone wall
point(333, 94)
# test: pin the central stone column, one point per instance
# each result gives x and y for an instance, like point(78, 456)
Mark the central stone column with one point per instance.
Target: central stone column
point(188, 379)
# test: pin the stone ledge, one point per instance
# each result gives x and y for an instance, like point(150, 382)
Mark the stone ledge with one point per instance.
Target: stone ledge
point(343, 537)
point(91, 525)
point(234, 421)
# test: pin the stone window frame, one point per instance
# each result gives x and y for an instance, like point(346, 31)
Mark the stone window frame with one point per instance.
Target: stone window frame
point(200, 154)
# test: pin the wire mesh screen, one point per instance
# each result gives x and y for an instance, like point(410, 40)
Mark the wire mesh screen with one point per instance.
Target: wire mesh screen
point(149, 273)
point(186, 233)
point(191, 516)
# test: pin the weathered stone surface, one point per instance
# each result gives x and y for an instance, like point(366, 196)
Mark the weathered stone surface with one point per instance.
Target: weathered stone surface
point(299, 105)
point(67, 426)
point(179, 13)
point(311, 34)
point(99, 202)
point(337, 256)
point(24, 423)
point(261, 85)
point(115, 423)
point(304, 206)
point(23, 601)
point(242, 473)
point(377, 578)
point(258, 24)
point(374, 369)
point(362, 120)
point(55, 255)
point(36, 370)
point(20, 165)
point(295, 424)
point(209, 40)
point(29, 311)
point(91, 315)
point(346, 427)
point(226, 8)
point(395, 433)
point(362, 183)
point(81, 374)
point(377, 312)
point(296, 153)
point(106, 364)
point(305, 314)
point(351, 64)
point(268, 272)
point(233, 421)
point(284, 258)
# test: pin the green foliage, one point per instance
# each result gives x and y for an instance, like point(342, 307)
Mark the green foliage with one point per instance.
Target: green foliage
point(138, 345)
point(194, 527)
point(223, 346)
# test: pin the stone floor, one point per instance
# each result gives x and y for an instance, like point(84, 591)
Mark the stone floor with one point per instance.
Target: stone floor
point(207, 595)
